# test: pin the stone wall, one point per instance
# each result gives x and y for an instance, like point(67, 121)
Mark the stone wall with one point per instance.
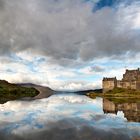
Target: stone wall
point(127, 84)
point(138, 85)
point(109, 84)
point(131, 75)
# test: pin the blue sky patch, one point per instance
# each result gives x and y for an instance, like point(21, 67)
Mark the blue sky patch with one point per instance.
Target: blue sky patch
point(112, 3)
point(106, 3)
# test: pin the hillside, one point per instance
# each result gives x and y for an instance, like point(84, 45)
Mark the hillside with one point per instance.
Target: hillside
point(10, 91)
point(44, 92)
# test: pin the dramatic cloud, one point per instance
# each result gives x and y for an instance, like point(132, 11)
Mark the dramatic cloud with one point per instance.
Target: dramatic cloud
point(67, 29)
point(70, 132)
point(67, 34)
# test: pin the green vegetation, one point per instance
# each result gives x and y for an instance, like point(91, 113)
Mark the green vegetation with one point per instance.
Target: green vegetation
point(118, 94)
point(93, 95)
point(120, 100)
point(116, 90)
point(12, 91)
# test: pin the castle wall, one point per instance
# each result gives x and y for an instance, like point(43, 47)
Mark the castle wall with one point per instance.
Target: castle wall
point(127, 84)
point(120, 84)
point(109, 85)
point(138, 85)
point(133, 85)
point(131, 75)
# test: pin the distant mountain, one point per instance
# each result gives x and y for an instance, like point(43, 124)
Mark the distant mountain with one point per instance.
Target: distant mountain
point(81, 92)
point(89, 91)
point(10, 91)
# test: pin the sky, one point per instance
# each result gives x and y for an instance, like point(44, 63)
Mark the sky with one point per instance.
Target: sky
point(68, 44)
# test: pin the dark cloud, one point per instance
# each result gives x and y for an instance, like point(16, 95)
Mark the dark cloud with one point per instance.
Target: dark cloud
point(1, 5)
point(69, 129)
point(97, 69)
point(67, 31)
point(110, 36)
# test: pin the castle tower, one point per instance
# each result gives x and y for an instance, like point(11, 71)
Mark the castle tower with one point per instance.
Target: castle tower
point(131, 75)
point(109, 84)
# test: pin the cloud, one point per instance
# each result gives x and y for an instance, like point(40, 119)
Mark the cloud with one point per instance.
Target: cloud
point(77, 85)
point(64, 36)
point(68, 131)
point(66, 29)
point(91, 70)
point(73, 133)
point(38, 26)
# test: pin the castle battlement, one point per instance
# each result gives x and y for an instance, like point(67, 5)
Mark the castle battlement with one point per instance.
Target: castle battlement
point(130, 80)
point(109, 79)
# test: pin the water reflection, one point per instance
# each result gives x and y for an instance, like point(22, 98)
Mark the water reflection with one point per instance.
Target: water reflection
point(131, 110)
point(71, 117)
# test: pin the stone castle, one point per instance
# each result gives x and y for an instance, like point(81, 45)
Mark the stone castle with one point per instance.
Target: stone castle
point(130, 80)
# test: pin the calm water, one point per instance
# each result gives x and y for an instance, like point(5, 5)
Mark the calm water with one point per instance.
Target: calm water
point(69, 117)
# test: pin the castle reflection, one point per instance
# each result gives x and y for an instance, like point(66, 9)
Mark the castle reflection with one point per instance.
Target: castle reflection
point(131, 110)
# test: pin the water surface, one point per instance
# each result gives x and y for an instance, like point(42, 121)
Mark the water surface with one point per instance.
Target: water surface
point(71, 117)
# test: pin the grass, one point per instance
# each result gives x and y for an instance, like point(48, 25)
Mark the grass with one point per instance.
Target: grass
point(93, 95)
point(120, 100)
point(12, 91)
point(120, 92)
point(118, 95)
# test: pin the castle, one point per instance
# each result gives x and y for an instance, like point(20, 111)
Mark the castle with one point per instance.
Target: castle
point(130, 80)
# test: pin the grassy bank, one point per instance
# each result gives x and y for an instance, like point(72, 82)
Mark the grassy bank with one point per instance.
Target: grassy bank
point(120, 92)
point(117, 93)
point(12, 91)
point(120, 100)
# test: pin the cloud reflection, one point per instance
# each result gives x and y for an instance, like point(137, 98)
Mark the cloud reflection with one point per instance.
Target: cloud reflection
point(72, 117)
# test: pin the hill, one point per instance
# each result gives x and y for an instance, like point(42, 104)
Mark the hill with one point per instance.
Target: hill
point(44, 92)
point(10, 91)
